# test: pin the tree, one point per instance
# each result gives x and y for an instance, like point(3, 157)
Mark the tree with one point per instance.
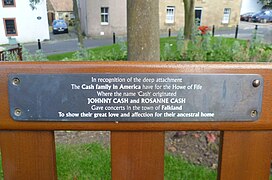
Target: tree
point(189, 6)
point(77, 24)
point(266, 3)
point(33, 3)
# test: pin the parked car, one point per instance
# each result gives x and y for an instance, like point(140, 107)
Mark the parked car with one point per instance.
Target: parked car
point(256, 17)
point(59, 26)
point(244, 17)
point(266, 17)
point(253, 16)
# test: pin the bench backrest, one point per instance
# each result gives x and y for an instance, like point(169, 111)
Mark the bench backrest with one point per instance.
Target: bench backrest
point(137, 148)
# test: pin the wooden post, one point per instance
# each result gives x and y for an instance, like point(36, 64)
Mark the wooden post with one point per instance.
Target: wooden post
point(20, 53)
point(28, 154)
point(137, 155)
point(140, 155)
point(245, 155)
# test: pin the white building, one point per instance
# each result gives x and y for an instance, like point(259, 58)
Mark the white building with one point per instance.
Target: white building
point(22, 23)
point(250, 6)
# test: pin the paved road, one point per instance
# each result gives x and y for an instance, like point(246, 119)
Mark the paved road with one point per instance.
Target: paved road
point(264, 31)
point(62, 46)
point(67, 42)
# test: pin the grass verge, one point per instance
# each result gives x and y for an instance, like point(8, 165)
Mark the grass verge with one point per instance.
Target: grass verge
point(92, 161)
point(204, 48)
point(168, 47)
point(87, 161)
point(177, 168)
point(1, 169)
point(98, 52)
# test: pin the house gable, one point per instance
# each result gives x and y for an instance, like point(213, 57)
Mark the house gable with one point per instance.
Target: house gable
point(61, 5)
point(21, 22)
point(60, 9)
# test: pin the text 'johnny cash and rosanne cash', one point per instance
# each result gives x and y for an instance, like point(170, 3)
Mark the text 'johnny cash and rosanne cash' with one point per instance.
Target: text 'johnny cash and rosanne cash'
point(138, 97)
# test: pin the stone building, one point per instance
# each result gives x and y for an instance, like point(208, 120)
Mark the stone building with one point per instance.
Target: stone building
point(225, 13)
point(59, 9)
point(103, 17)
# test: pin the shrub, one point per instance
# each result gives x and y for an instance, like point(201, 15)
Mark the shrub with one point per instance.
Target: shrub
point(203, 47)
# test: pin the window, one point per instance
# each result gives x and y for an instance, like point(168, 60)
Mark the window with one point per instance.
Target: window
point(10, 27)
point(170, 14)
point(226, 17)
point(104, 15)
point(198, 15)
point(8, 3)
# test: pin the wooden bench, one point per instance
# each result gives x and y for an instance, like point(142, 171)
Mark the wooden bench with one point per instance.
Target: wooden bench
point(137, 148)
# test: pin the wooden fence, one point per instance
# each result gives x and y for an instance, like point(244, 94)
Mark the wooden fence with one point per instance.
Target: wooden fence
point(137, 148)
point(14, 51)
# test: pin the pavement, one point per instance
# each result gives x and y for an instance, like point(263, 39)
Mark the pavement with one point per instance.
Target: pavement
point(61, 43)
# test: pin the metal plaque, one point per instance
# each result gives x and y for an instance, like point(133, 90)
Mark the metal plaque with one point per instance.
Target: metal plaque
point(135, 97)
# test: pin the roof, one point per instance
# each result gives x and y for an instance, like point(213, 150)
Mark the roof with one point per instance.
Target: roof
point(62, 5)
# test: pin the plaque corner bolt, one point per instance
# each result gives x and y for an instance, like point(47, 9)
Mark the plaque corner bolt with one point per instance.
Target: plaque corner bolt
point(17, 112)
point(254, 113)
point(16, 81)
point(256, 83)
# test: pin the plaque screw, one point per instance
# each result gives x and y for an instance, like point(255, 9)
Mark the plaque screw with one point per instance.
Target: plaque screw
point(17, 112)
point(253, 113)
point(256, 83)
point(16, 81)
